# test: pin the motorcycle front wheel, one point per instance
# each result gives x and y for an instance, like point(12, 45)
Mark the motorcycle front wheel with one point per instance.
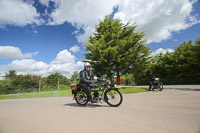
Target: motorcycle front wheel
point(81, 98)
point(113, 97)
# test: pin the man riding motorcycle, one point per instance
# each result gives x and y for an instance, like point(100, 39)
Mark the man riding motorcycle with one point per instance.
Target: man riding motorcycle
point(87, 80)
point(152, 77)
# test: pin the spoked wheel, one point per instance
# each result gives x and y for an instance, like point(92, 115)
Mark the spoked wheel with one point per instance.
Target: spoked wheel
point(81, 98)
point(113, 97)
point(160, 86)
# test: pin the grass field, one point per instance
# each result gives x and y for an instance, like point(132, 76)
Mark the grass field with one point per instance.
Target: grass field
point(60, 93)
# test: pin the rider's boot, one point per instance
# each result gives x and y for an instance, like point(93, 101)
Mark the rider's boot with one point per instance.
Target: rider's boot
point(91, 99)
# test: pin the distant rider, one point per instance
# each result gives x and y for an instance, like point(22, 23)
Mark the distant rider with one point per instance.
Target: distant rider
point(87, 79)
point(152, 77)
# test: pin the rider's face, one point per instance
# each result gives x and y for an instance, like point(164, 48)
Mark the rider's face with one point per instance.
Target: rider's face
point(87, 68)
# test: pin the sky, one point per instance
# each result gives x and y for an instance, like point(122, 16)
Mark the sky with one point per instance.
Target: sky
point(47, 36)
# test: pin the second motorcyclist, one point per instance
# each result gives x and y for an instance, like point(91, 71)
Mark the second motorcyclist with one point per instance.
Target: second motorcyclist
point(152, 77)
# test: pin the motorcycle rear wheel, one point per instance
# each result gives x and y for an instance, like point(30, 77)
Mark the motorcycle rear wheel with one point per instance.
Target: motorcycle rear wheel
point(81, 98)
point(113, 97)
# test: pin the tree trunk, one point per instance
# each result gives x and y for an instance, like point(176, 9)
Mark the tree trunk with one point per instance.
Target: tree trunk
point(118, 78)
point(111, 81)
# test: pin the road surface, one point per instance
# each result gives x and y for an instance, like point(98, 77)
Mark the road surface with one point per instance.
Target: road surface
point(169, 111)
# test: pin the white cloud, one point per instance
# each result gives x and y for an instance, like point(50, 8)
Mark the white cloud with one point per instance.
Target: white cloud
point(44, 2)
point(18, 13)
point(64, 63)
point(83, 38)
point(75, 49)
point(7, 52)
point(83, 14)
point(157, 18)
point(2, 74)
point(29, 66)
point(161, 50)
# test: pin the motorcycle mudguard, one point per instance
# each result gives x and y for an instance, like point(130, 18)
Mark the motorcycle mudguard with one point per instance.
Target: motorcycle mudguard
point(75, 91)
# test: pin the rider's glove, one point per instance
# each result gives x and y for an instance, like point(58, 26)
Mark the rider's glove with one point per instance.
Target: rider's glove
point(92, 82)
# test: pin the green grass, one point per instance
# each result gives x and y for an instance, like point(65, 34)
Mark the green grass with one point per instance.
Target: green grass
point(37, 94)
point(132, 90)
point(60, 93)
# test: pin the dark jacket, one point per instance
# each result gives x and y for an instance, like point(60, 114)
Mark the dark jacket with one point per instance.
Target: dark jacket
point(152, 76)
point(86, 77)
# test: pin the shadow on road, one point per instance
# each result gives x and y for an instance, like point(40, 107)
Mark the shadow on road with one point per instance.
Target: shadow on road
point(90, 105)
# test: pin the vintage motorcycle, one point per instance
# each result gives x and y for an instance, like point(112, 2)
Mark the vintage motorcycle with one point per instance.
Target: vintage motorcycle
point(157, 84)
point(100, 92)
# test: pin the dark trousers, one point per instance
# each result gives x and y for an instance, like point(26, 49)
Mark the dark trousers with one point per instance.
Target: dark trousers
point(151, 83)
point(87, 89)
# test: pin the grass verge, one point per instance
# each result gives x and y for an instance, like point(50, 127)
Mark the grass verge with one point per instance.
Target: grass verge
point(60, 93)
point(132, 90)
point(37, 94)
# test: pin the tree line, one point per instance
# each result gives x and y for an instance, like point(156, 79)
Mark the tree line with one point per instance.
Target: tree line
point(14, 83)
point(181, 66)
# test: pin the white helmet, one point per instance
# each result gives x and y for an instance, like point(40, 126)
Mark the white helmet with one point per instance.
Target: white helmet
point(87, 64)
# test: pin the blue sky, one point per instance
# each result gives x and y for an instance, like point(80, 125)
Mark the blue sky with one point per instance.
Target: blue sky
point(46, 36)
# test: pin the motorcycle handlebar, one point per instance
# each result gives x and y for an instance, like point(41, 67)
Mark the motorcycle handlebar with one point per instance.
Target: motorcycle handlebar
point(102, 81)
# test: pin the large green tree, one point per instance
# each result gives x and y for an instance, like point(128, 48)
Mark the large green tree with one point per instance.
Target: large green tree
point(116, 49)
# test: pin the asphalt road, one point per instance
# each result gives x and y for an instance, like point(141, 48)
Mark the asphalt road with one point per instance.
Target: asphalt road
point(169, 111)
